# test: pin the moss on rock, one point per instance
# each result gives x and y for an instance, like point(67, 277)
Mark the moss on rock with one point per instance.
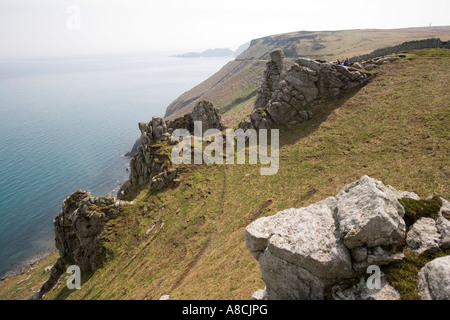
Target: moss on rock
point(416, 209)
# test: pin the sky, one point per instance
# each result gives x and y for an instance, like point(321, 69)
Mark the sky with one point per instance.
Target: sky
point(83, 27)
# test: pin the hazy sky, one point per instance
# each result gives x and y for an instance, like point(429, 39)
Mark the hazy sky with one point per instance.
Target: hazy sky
point(62, 27)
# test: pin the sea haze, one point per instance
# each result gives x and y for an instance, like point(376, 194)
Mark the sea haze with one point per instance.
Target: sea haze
point(65, 125)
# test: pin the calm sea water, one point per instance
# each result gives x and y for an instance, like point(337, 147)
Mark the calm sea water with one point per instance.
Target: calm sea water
point(65, 125)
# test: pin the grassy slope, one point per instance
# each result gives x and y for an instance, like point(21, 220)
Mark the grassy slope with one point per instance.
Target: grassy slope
point(395, 130)
point(249, 65)
point(29, 281)
point(235, 80)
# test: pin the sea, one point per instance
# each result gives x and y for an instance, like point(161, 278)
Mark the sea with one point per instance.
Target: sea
point(65, 124)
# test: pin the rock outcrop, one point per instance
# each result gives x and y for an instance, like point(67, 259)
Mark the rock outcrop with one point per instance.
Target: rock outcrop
point(272, 77)
point(288, 96)
point(423, 237)
point(434, 280)
point(134, 149)
point(79, 233)
point(362, 292)
point(151, 165)
point(311, 252)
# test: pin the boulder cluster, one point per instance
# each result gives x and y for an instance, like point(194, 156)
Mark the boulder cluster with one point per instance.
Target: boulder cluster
point(151, 165)
point(308, 253)
point(286, 98)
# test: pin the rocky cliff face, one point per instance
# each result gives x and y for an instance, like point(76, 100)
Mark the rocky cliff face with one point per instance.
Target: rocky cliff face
point(308, 253)
point(151, 165)
point(79, 227)
point(79, 233)
point(287, 97)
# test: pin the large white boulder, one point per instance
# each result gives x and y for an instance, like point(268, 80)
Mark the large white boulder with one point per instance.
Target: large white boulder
point(369, 214)
point(301, 243)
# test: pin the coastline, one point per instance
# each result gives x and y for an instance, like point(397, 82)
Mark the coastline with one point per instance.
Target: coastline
point(26, 265)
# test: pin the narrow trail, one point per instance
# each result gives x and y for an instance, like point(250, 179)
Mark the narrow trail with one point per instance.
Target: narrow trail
point(212, 236)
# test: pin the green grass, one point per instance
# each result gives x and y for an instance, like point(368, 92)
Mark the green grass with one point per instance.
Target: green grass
point(402, 275)
point(395, 130)
point(416, 209)
point(26, 283)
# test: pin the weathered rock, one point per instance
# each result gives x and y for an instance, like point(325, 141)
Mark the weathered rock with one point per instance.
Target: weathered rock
point(246, 124)
point(163, 179)
point(280, 112)
point(79, 234)
point(259, 119)
point(434, 280)
point(423, 237)
point(359, 254)
point(406, 194)
point(303, 252)
point(205, 112)
point(176, 182)
point(158, 127)
point(307, 83)
point(305, 115)
point(309, 63)
point(260, 295)
point(150, 166)
point(361, 291)
point(134, 149)
point(78, 228)
point(369, 214)
point(374, 256)
point(357, 65)
point(302, 244)
point(369, 67)
point(272, 76)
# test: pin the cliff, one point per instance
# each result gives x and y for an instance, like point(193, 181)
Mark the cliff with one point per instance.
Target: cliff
point(79, 234)
point(151, 166)
point(174, 241)
point(233, 88)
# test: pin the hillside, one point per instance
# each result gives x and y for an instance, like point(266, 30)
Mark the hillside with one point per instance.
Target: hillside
point(233, 88)
point(188, 241)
